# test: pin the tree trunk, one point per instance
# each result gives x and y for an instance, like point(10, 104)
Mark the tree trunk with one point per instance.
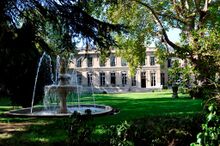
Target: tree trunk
point(175, 91)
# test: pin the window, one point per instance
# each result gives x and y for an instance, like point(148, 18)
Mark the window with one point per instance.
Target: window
point(133, 80)
point(153, 79)
point(124, 78)
point(152, 60)
point(79, 62)
point(112, 60)
point(89, 79)
point(123, 62)
point(79, 78)
point(102, 78)
point(143, 79)
point(162, 78)
point(89, 61)
point(113, 79)
point(101, 62)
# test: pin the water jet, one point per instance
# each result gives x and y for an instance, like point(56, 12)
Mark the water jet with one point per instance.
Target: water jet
point(55, 99)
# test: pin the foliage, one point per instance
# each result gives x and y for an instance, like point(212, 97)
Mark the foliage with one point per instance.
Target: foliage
point(169, 131)
point(197, 21)
point(18, 60)
point(132, 43)
point(143, 131)
point(186, 76)
point(174, 73)
point(210, 135)
point(66, 18)
point(79, 131)
point(28, 28)
point(119, 134)
point(179, 76)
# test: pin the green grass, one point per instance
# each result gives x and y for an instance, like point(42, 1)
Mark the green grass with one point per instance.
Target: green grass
point(5, 104)
point(137, 105)
point(132, 106)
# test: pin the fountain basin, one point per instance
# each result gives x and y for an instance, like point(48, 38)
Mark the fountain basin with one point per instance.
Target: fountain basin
point(41, 112)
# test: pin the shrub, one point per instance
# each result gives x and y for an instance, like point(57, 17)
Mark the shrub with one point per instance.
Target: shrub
point(183, 90)
point(165, 87)
point(145, 131)
point(119, 135)
point(79, 131)
point(210, 134)
point(165, 130)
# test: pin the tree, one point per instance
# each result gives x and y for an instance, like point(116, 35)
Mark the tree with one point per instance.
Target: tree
point(174, 75)
point(198, 21)
point(24, 36)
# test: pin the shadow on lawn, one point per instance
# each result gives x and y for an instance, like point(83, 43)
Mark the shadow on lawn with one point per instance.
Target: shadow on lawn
point(47, 132)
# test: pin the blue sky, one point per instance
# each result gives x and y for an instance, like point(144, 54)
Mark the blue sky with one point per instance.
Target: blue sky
point(173, 35)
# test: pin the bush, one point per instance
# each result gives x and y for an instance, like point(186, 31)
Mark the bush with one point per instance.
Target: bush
point(146, 131)
point(119, 135)
point(165, 130)
point(165, 87)
point(183, 90)
point(79, 131)
point(210, 134)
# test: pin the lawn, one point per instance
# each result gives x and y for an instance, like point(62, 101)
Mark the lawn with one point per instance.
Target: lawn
point(137, 105)
point(132, 106)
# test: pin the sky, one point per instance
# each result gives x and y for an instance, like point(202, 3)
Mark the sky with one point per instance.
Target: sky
point(173, 35)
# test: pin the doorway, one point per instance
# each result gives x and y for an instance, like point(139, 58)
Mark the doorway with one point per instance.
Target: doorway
point(143, 79)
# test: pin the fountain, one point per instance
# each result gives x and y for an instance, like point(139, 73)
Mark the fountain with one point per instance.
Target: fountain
point(55, 100)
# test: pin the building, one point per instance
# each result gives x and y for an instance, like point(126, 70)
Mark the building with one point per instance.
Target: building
point(113, 75)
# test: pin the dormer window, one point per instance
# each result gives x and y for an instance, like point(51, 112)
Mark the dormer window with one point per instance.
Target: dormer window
point(112, 60)
point(89, 61)
point(152, 60)
point(79, 62)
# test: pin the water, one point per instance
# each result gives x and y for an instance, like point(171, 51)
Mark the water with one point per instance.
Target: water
point(52, 98)
point(36, 77)
point(35, 82)
point(92, 89)
point(71, 109)
point(78, 92)
point(93, 97)
point(74, 81)
point(57, 69)
point(51, 68)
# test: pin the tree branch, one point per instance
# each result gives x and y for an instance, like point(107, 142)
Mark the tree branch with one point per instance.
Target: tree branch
point(197, 4)
point(203, 13)
point(171, 16)
point(160, 25)
point(176, 8)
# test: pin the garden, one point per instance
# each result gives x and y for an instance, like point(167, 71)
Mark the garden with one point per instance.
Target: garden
point(143, 118)
point(185, 35)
